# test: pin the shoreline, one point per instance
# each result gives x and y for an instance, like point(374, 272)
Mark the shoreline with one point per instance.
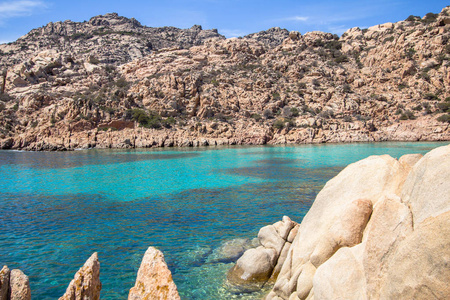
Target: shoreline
point(98, 140)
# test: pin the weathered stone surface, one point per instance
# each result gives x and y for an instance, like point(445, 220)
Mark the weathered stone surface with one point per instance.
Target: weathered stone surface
point(338, 216)
point(154, 279)
point(19, 286)
point(280, 261)
point(341, 277)
point(86, 284)
point(4, 282)
point(419, 268)
point(427, 188)
point(390, 223)
point(269, 238)
point(409, 160)
point(253, 269)
point(284, 227)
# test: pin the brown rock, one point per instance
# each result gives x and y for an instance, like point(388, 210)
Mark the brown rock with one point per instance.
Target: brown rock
point(86, 284)
point(154, 279)
point(19, 286)
point(4, 282)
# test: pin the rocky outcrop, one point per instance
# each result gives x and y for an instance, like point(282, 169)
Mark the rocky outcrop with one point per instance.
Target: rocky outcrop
point(270, 38)
point(191, 87)
point(4, 282)
point(154, 279)
point(108, 38)
point(14, 285)
point(86, 284)
point(19, 286)
point(378, 230)
point(259, 265)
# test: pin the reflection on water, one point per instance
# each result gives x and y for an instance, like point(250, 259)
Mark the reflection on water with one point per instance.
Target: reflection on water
point(58, 208)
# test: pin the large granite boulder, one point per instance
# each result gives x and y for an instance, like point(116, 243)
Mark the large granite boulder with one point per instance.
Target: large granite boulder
point(427, 188)
point(378, 230)
point(86, 284)
point(419, 268)
point(154, 279)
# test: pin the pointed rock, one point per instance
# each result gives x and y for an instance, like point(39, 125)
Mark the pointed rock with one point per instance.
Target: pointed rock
point(86, 284)
point(4, 282)
point(154, 279)
point(19, 286)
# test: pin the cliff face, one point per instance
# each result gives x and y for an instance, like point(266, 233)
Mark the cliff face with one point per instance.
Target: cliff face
point(111, 82)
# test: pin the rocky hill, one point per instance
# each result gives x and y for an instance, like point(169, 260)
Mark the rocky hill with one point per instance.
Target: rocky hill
point(109, 39)
point(112, 82)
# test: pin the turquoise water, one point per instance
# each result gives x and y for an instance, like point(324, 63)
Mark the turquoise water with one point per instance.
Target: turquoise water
point(56, 209)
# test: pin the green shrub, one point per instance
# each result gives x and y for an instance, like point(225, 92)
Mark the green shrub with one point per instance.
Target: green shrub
point(294, 112)
point(215, 82)
point(417, 108)
point(341, 58)
point(401, 86)
point(268, 114)
point(444, 106)
point(151, 120)
point(407, 115)
point(430, 96)
point(444, 118)
point(121, 82)
point(412, 18)
point(348, 118)
point(169, 122)
point(430, 17)
point(257, 117)
point(279, 124)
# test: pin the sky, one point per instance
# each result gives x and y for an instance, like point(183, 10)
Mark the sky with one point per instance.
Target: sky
point(231, 18)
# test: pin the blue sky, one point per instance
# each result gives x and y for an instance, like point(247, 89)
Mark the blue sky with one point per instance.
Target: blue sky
point(230, 17)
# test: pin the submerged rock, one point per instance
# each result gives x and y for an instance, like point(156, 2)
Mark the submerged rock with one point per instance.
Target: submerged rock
point(86, 284)
point(154, 279)
point(231, 250)
point(258, 265)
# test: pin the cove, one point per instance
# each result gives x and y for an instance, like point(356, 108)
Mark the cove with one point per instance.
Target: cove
point(57, 208)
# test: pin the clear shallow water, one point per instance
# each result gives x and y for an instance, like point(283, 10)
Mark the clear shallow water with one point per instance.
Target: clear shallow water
point(56, 209)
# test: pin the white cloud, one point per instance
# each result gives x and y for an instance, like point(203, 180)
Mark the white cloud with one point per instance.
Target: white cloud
point(296, 19)
point(10, 9)
point(230, 33)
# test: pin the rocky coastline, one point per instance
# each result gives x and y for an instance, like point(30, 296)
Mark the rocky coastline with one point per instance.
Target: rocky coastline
point(113, 83)
point(378, 230)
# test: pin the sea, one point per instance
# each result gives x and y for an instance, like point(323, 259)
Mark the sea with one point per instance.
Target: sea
point(57, 208)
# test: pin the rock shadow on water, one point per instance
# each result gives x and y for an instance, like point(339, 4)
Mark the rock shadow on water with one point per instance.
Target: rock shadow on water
point(67, 160)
